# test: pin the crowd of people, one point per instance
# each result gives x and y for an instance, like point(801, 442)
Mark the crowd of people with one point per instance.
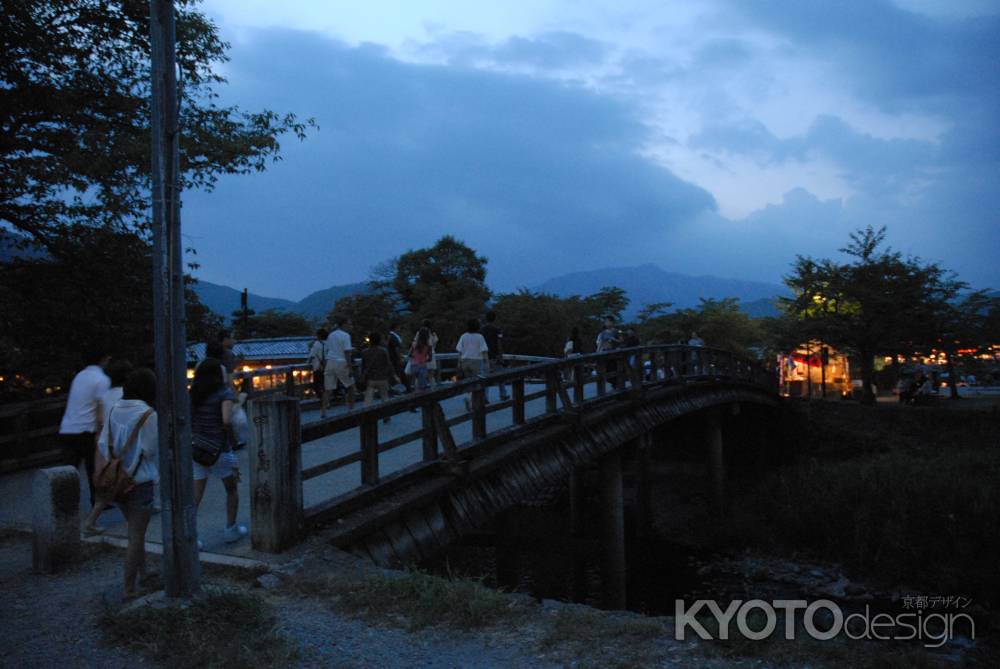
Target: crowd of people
point(110, 424)
point(390, 367)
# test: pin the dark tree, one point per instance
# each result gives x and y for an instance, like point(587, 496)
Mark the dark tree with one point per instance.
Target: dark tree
point(96, 290)
point(877, 303)
point(368, 313)
point(272, 323)
point(445, 283)
point(74, 114)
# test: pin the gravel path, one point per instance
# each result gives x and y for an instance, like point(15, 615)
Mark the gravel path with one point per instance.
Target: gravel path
point(50, 621)
point(329, 640)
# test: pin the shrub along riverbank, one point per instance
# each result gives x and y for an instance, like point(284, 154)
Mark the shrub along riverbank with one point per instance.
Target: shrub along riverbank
point(903, 497)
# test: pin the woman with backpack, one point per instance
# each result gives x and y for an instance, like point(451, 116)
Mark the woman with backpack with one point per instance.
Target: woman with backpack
point(128, 447)
point(212, 402)
point(118, 370)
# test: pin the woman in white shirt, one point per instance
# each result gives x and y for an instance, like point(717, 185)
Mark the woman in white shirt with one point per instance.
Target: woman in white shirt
point(134, 413)
point(117, 371)
point(472, 355)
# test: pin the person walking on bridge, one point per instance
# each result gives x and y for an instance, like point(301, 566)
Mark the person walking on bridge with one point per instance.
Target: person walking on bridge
point(339, 352)
point(473, 355)
point(317, 361)
point(608, 340)
point(421, 354)
point(494, 340)
point(377, 370)
point(432, 340)
point(394, 345)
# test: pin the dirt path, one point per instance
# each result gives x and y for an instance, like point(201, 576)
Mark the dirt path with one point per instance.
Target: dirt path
point(51, 621)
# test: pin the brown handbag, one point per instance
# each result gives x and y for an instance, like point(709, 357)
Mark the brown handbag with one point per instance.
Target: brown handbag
point(112, 480)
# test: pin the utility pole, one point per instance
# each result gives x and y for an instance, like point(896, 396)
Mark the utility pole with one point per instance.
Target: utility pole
point(180, 555)
point(245, 316)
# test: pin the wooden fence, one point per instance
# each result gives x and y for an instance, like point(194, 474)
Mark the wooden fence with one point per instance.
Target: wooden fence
point(567, 386)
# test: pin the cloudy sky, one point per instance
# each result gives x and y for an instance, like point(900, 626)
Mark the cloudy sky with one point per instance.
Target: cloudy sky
point(718, 137)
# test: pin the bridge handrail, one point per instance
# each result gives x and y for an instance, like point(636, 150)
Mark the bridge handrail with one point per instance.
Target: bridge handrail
point(629, 371)
point(536, 370)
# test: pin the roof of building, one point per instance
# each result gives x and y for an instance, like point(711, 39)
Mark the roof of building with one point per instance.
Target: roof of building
point(293, 349)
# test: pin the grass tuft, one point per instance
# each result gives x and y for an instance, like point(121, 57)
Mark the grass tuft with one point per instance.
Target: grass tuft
point(218, 628)
point(594, 639)
point(416, 600)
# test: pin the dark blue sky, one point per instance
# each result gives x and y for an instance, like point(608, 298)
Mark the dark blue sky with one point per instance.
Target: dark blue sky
point(718, 140)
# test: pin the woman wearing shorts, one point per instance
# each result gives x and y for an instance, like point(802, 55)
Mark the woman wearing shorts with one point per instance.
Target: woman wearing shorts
point(421, 354)
point(212, 402)
point(132, 411)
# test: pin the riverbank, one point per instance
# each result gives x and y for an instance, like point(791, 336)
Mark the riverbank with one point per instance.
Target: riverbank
point(330, 610)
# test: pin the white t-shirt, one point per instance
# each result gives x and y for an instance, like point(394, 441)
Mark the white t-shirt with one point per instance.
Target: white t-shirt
point(109, 400)
point(122, 420)
point(317, 355)
point(87, 389)
point(471, 345)
point(337, 345)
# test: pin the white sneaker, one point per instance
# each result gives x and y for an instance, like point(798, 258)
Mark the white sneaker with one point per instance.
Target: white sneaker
point(234, 533)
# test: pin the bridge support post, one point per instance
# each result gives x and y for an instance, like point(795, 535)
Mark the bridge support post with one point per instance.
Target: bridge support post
point(643, 505)
point(613, 535)
point(479, 413)
point(429, 438)
point(505, 551)
point(576, 498)
point(517, 408)
point(716, 461)
point(275, 473)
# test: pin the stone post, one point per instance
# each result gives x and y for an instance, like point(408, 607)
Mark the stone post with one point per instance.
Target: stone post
point(55, 498)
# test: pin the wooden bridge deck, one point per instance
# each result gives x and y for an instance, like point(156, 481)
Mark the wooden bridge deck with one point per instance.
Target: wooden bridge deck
point(348, 459)
point(15, 488)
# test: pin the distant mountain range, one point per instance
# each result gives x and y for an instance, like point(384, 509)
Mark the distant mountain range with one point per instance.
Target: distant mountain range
point(644, 285)
point(649, 283)
point(224, 300)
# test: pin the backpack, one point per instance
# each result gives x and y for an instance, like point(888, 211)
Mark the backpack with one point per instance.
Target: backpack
point(112, 480)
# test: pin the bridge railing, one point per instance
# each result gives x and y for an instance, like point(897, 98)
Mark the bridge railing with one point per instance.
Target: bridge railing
point(539, 391)
point(296, 380)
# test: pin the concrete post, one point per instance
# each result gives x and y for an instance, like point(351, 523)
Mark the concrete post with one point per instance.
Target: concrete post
point(716, 461)
point(275, 473)
point(613, 535)
point(55, 496)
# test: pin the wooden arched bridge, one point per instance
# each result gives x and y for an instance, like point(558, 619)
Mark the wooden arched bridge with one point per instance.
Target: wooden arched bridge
point(400, 480)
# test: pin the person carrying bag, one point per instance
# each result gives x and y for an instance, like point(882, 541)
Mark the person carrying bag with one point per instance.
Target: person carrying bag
point(111, 479)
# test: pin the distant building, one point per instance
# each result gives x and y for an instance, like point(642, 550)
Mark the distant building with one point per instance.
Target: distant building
point(805, 371)
point(254, 356)
point(256, 353)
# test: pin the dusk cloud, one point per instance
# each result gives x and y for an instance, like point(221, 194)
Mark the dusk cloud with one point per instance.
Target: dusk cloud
point(534, 174)
point(722, 138)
